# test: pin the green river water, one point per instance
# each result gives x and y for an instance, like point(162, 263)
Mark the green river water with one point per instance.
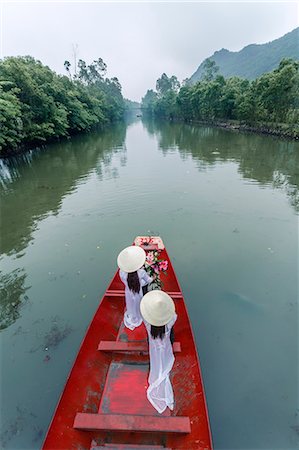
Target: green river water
point(226, 205)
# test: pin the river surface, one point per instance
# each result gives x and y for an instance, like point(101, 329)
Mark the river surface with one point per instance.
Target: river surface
point(226, 205)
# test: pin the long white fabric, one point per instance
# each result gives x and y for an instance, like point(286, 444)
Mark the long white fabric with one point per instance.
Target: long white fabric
point(160, 392)
point(132, 316)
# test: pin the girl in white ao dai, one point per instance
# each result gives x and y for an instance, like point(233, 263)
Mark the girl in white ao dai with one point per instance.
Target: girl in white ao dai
point(130, 261)
point(158, 311)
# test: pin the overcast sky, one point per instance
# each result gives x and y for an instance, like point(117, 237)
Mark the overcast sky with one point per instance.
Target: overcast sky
point(139, 40)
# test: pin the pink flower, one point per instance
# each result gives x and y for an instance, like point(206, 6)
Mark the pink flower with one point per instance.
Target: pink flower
point(146, 240)
point(163, 265)
point(149, 258)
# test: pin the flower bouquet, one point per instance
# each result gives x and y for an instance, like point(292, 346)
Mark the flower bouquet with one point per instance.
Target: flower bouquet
point(154, 266)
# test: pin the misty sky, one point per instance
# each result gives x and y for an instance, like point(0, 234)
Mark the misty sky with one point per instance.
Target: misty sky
point(139, 40)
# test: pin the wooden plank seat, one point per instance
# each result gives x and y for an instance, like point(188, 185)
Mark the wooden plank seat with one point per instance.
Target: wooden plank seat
point(120, 346)
point(128, 447)
point(175, 294)
point(121, 293)
point(129, 422)
point(95, 446)
point(115, 293)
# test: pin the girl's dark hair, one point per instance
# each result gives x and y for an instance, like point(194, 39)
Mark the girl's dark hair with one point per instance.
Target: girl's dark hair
point(133, 282)
point(160, 332)
point(157, 331)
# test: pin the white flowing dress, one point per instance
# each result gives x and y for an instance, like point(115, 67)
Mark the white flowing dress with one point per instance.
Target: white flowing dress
point(132, 316)
point(160, 392)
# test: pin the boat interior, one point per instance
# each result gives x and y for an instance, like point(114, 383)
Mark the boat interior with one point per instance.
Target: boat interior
point(107, 385)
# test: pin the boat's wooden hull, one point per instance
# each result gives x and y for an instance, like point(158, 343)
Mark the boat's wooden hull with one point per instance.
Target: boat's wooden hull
point(114, 383)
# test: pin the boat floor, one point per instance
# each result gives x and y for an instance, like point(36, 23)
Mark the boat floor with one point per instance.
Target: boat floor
point(123, 375)
point(118, 410)
point(126, 335)
point(117, 396)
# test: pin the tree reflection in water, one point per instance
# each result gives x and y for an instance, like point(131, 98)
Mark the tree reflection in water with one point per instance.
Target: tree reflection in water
point(264, 159)
point(35, 184)
point(12, 297)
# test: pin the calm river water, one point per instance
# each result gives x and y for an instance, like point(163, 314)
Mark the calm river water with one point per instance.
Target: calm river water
point(226, 205)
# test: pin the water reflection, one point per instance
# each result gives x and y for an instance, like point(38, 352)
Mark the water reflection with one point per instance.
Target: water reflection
point(227, 259)
point(12, 289)
point(34, 185)
point(267, 160)
point(50, 340)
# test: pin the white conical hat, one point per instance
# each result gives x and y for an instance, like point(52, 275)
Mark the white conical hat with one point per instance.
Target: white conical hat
point(157, 308)
point(131, 258)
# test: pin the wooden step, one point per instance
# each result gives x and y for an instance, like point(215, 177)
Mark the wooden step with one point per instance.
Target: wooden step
point(119, 293)
point(128, 422)
point(94, 446)
point(175, 294)
point(138, 446)
point(119, 346)
point(115, 293)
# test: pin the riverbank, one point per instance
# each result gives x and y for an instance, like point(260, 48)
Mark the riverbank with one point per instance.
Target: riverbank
point(285, 131)
point(282, 130)
point(10, 153)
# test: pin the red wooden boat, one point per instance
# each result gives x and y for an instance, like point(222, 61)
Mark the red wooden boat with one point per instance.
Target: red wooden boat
point(104, 404)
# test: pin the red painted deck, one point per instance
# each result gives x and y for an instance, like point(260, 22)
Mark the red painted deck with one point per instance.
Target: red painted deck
point(118, 346)
point(104, 403)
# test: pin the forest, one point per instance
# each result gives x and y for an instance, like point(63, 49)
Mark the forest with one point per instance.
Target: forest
point(37, 105)
point(271, 100)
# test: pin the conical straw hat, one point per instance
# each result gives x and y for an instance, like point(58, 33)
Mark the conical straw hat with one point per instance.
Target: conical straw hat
point(157, 308)
point(131, 258)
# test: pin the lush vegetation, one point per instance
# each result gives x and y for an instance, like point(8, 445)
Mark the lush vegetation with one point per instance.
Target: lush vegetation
point(254, 60)
point(271, 99)
point(37, 105)
point(131, 105)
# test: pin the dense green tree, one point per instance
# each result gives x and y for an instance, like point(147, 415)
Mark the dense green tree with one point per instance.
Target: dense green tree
point(165, 84)
point(184, 102)
point(90, 74)
point(278, 90)
point(167, 106)
point(231, 96)
point(131, 105)
point(149, 100)
point(113, 102)
point(246, 104)
point(272, 99)
point(208, 96)
point(37, 105)
point(10, 116)
point(42, 116)
point(164, 101)
point(210, 70)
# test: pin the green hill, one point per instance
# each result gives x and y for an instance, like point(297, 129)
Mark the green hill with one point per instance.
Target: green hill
point(254, 60)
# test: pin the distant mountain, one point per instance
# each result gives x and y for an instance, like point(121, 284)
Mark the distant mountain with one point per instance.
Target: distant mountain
point(254, 60)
